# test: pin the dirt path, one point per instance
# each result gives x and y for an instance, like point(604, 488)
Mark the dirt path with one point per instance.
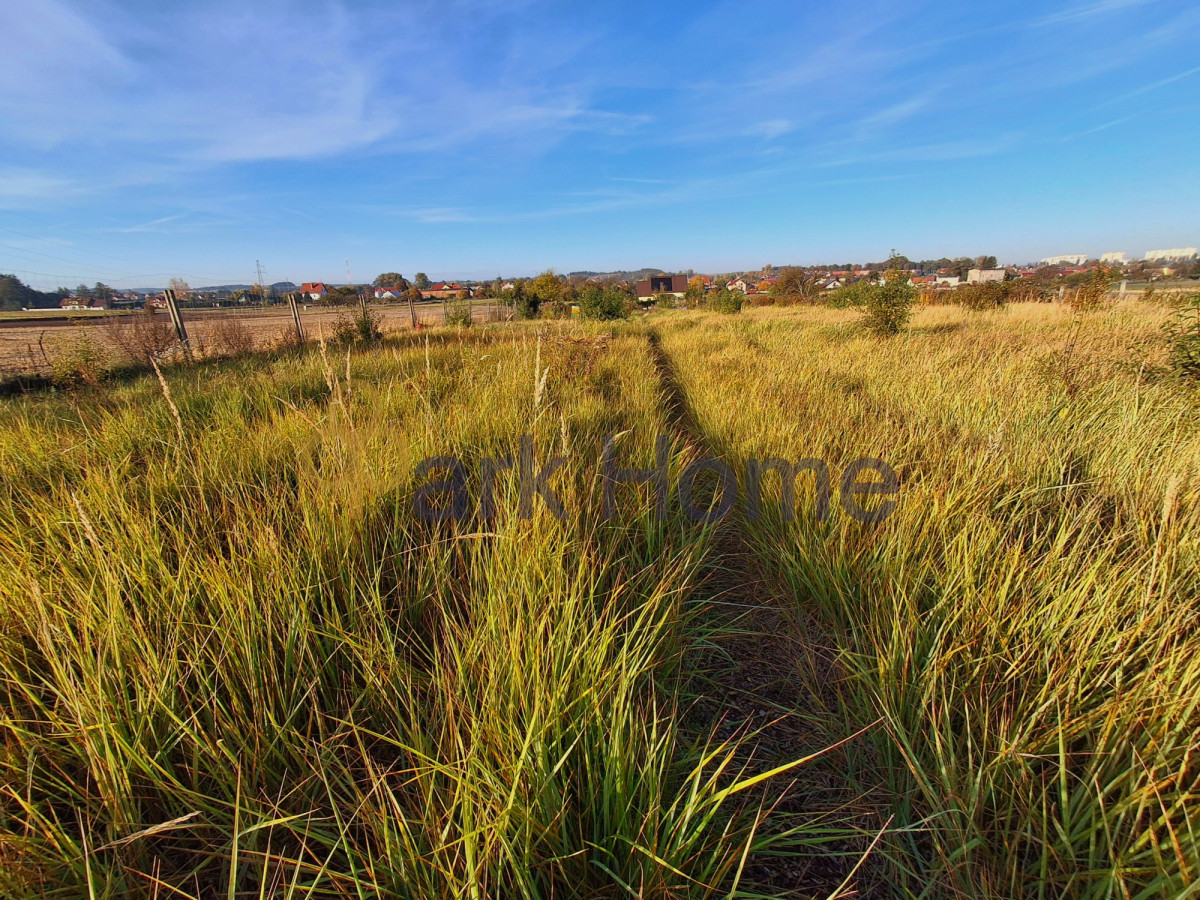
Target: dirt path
point(762, 671)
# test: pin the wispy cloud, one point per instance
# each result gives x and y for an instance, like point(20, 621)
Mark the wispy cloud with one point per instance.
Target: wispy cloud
point(770, 129)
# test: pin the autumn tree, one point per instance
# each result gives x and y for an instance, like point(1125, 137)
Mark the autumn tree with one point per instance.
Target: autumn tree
point(390, 279)
point(422, 281)
point(182, 289)
point(793, 286)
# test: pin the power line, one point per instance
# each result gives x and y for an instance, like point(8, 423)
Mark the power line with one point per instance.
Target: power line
point(202, 276)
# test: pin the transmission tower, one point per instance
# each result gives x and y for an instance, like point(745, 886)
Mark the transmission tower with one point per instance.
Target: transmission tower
point(261, 283)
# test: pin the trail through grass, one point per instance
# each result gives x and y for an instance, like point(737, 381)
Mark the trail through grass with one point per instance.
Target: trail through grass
point(1025, 623)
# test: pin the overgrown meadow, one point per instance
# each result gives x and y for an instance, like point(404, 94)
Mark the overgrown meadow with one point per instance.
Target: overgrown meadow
point(234, 662)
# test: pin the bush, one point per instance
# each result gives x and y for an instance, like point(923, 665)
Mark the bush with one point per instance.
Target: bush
point(605, 303)
point(982, 297)
point(887, 307)
point(851, 296)
point(231, 336)
point(81, 360)
point(1094, 291)
point(525, 306)
point(665, 301)
point(362, 328)
point(794, 286)
point(459, 313)
point(726, 301)
point(1183, 333)
point(141, 335)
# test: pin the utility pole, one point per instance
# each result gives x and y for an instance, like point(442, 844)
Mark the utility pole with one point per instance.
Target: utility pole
point(261, 283)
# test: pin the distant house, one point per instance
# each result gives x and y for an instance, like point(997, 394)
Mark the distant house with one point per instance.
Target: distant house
point(388, 293)
point(739, 284)
point(83, 303)
point(982, 276)
point(314, 290)
point(443, 290)
point(831, 284)
point(918, 280)
point(661, 284)
point(947, 280)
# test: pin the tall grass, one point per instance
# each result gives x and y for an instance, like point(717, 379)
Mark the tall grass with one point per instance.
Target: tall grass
point(233, 662)
point(1026, 622)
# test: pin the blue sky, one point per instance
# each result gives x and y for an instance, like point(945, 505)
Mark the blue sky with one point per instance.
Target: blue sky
point(141, 140)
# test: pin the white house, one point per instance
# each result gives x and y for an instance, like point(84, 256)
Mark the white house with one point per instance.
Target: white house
point(980, 276)
point(948, 280)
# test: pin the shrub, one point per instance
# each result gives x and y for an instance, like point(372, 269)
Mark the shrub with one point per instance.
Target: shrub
point(606, 303)
point(794, 286)
point(982, 297)
point(231, 336)
point(81, 360)
point(1183, 333)
point(888, 306)
point(665, 301)
point(459, 313)
point(141, 335)
point(361, 328)
point(851, 296)
point(525, 306)
point(726, 301)
point(1094, 291)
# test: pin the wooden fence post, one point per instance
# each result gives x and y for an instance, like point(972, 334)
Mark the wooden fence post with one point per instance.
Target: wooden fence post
point(291, 299)
point(176, 318)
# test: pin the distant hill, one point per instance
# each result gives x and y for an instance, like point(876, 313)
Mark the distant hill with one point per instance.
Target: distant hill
point(280, 287)
point(631, 275)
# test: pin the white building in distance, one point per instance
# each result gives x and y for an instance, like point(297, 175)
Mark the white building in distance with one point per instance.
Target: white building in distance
point(1070, 259)
point(979, 276)
point(1173, 253)
point(1118, 258)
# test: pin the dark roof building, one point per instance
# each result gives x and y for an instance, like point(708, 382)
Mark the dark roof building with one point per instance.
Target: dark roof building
point(662, 284)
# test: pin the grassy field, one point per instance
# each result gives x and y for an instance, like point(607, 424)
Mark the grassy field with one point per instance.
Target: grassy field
point(31, 341)
point(236, 663)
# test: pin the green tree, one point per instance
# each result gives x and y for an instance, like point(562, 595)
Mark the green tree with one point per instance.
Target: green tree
point(888, 306)
point(421, 280)
point(103, 293)
point(602, 303)
point(540, 295)
point(15, 294)
point(390, 279)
